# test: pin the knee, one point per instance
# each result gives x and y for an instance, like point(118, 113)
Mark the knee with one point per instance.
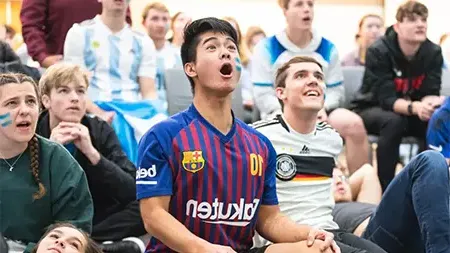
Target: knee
point(431, 162)
point(303, 247)
point(348, 124)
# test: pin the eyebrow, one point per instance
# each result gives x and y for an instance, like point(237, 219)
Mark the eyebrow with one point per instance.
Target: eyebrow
point(304, 70)
point(73, 237)
point(215, 38)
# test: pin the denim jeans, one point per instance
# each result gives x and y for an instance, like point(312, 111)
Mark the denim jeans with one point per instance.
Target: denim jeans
point(414, 215)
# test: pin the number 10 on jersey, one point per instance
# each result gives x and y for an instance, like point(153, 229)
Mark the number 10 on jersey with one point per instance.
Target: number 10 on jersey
point(256, 164)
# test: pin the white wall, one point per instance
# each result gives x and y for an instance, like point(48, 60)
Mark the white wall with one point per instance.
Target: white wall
point(336, 22)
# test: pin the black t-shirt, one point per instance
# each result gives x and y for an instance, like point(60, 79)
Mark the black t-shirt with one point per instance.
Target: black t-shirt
point(349, 215)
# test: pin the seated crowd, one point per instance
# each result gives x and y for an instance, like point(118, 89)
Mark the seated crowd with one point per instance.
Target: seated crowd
point(90, 160)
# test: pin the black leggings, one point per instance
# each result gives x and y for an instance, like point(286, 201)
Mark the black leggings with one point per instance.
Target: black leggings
point(391, 128)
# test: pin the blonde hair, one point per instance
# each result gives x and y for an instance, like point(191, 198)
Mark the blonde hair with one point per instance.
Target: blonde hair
point(252, 31)
point(59, 74)
point(33, 144)
point(155, 5)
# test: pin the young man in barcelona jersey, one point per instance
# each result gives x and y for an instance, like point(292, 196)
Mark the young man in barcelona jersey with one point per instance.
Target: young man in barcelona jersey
point(206, 180)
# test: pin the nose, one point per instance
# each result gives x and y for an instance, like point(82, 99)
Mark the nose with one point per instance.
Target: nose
point(224, 54)
point(74, 96)
point(24, 109)
point(60, 243)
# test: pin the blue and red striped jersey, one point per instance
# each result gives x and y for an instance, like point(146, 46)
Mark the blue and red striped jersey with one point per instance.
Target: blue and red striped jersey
point(216, 182)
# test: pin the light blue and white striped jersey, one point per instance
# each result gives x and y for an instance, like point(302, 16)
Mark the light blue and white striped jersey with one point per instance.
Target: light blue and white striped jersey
point(114, 60)
point(272, 52)
point(167, 57)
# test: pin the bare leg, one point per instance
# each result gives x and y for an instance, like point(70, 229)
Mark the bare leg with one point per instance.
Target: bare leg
point(351, 127)
point(365, 185)
point(296, 247)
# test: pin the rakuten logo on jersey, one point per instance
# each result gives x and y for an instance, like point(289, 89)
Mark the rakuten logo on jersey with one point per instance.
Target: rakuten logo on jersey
point(234, 214)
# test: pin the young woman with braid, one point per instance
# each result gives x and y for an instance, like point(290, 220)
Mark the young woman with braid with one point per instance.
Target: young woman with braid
point(40, 182)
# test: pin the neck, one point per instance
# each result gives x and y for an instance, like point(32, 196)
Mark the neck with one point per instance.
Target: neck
point(303, 122)
point(177, 41)
point(114, 20)
point(301, 38)
point(52, 121)
point(159, 44)
point(409, 49)
point(9, 149)
point(362, 52)
point(217, 111)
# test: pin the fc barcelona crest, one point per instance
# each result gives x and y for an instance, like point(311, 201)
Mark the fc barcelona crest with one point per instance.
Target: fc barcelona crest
point(193, 161)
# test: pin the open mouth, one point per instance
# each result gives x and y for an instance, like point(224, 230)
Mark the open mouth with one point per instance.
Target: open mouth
point(307, 19)
point(312, 93)
point(226, 70)
point(23, 124)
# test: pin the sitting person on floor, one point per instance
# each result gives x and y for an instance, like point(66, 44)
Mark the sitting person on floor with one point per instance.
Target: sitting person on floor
point(94, 144)
point(412, 215)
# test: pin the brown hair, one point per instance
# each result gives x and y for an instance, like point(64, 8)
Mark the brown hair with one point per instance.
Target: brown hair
point(61, 74)
point(91, 246)
point(361, 22)
point(251, 32)
point(155, 5)
point(280, 78)
point(408, 9)
point(443, 38)
point(242, 47)
point(283, 3)
point(33, 144)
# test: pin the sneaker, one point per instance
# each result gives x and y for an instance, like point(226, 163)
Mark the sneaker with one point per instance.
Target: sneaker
point(129, 245)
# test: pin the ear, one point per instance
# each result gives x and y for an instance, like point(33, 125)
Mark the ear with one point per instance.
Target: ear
point(280, 92)
point(189, 69)
point(46, 101)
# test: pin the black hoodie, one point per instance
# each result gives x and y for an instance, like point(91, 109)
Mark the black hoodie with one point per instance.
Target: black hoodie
point(112, 180)
point(389, 75)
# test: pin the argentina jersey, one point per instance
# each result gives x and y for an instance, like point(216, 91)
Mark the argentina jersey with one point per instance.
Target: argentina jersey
point(272, 52)
point(304, 171)
point(216, 182)
point(115, 60)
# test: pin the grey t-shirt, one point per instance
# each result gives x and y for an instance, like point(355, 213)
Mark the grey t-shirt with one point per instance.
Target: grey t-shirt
point(349, 215)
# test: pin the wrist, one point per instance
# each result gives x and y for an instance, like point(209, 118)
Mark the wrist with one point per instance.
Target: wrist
point(93, 155)
point(414, 107)
point(197, 245)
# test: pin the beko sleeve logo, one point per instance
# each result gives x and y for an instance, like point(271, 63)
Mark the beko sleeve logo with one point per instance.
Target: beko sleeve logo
point(143, 175)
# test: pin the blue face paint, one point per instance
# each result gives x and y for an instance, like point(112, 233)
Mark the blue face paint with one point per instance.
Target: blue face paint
point(5, 119)
point(238, 64)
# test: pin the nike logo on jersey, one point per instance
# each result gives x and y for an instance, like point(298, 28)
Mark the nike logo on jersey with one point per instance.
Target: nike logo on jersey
point(438, 149)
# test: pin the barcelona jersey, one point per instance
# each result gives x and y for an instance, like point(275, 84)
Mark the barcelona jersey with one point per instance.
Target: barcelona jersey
point(216, 182)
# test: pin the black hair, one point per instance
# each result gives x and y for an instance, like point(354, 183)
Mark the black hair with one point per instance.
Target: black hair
point(192, 35)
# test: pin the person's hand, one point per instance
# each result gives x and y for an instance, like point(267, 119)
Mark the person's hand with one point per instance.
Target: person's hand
point(62, 135)
point(214, 248)
point(424, 110)
point(107, 116)
point(51, 59)
point(82, 140)
point(326, 237)
point(322, 116)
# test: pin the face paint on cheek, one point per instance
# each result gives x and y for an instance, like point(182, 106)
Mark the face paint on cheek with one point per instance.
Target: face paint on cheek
point(5, 119)
point(238, 64)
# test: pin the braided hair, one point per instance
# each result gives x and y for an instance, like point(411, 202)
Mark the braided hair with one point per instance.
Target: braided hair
point(33, 144)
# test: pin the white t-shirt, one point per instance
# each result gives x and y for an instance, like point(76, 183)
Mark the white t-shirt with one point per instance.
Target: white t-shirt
point(115, 60)
point(304, 171)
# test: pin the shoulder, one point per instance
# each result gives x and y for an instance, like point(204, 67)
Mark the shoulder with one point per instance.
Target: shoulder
point(267, 124)
point(324, 128)
point(165, 131)
point(97, 126)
